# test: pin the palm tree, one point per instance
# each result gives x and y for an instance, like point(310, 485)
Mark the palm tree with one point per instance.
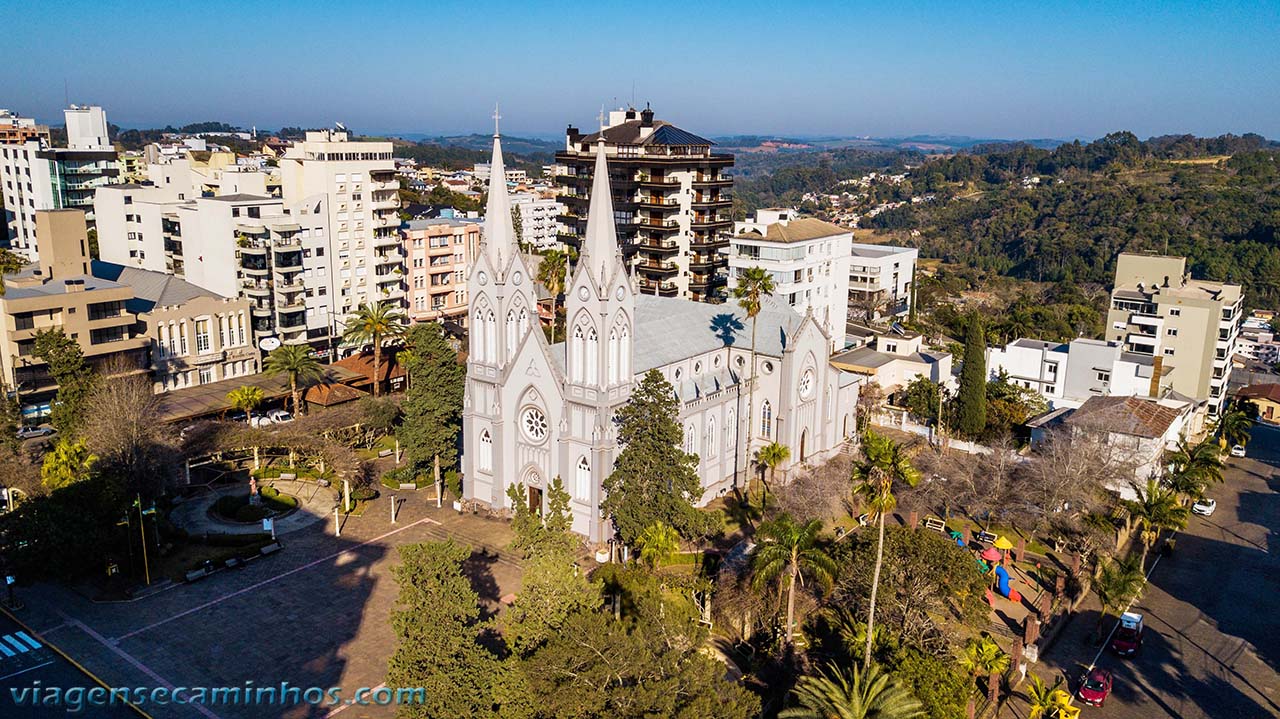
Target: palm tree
point(1117, 582)
point(1156, 509)
point(1233, 426)
point(982, 657)
point(296, 362)
point(374, 323)
point(770, 457)
point(883, 464)
point(657, 544)
point(1192, 466)
point(1040, 696)
point(753, 285)
point(246, 399)
point(869, 694)
point(551, 273)
point(789, 549)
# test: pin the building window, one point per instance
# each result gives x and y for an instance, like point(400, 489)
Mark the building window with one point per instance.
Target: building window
point(1172, 331)
point(690, 439)
point(766, 420)
point(485, 461)
point(582, 479)
point(534, 424)
point(1175, 312)
point(1168, 351)
point(206, 375)
point(202, 336)
point(713, 439)
point(1104, 376)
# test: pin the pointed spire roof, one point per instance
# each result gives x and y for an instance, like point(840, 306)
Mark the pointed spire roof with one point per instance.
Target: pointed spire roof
point(499, 232)
point(600, 244)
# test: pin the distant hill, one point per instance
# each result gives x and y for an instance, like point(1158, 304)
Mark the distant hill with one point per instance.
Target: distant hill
point(930, 144)
point(526, 146)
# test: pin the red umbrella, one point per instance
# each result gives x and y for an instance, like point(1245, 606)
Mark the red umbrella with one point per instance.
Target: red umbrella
point(991, 554)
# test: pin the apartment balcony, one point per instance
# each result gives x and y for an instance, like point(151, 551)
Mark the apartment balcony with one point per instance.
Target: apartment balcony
point(708, 242)
point(389, 258)
point(288, 261)
point(661, 288)
point(292, 303)
point(656, 225)
point(665, 204)
point(658, 268)
point(249, 248)
point(650, 182)
point(706, 262)
point(262, 310)
point(705, 282)
point(255, 270)
point(390, 204)
point(390, 220)
point(712, 203)
point(256, 289)
point(287, 242)
point(712, 181)
point(658, 247)
point(292, 319)
point(252, 230)
point(392, 294)
point(706, 222)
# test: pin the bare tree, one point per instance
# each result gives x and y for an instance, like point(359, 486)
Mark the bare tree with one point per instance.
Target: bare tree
point(870, 396)
point(123, 427)
point(819, 493)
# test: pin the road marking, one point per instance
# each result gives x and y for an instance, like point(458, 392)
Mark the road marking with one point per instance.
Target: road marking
point(345, 707)
point(27, 638)
point(1116, 626)
point(265, 582)
point(24, 671)
point(133, 661)
point(22, 648)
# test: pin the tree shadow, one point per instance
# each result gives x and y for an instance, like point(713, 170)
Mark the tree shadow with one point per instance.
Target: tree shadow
point(478, 569)
point(726, 326)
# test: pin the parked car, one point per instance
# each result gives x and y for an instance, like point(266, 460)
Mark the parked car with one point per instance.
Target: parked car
point(33, 432)
point(1095, 687)
point(259, 420)
point(1237, 451)
point(279, 416)
point(237, 415)
point(1204, 507)
point(1128, 637)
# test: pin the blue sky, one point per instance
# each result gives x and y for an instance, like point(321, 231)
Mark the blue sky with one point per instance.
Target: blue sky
point(1009, 70)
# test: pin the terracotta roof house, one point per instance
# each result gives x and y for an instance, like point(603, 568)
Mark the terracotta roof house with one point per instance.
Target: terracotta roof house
point(1266, 397)
point(391, 374)
point(1141, 429)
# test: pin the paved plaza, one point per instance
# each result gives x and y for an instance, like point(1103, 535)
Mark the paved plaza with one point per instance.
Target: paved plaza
point(314, 615)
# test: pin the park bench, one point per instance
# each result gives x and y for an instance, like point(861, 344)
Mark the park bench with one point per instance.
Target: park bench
point(195, 574)
point(386, 453)
point(935, 524)
point(322, 482)
point(985, 537)
point(233, 562)
point(288, 475)
point(408, 485)
point(270, 549)
point(863, 519)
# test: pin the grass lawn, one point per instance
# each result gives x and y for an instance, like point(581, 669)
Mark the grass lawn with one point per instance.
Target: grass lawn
point(186, 557)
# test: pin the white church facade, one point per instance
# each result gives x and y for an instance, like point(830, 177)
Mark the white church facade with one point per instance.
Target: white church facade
point(534, 411)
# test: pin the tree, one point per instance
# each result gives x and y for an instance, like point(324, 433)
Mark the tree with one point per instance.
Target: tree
point(1040, 697)
point(375, 324)
point(753, 286)
point(551, 273)
point(124, 429)
point(1233, 426)
point(542, 533)
point(1010, 405)
point(936, 681)
point(517, 225)
point(971, 401)
point(657, 544)
point(769, 458)
point(432, 405)
point(982, 657)
point(68, 463)
point(653, 479)
point(870, 396)
point(379, 414)
point(74, 377)
point(924, 399)
point(1189, 468)
point(1117, 582)
point(296, 362)
point(1156, 509)
point(438, 636)
point(883, 464)
point(855, 694)
point(246, 398)
point(789, 551)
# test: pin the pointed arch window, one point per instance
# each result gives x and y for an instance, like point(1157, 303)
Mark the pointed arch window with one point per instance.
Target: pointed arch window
point(713, 439)
point(766, 420)
point(691, 438)
point(730, 430)
point(612, 371)
point(485, 460)
point(477, 335)
point(490, 336)
point(512, 329)
point(582, 479)
point(624, 353)
point(593, 357)
point(523, 322)
point(577, 352)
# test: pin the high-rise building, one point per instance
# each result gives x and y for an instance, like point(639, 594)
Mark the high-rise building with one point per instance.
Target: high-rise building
point(15, 130)
point(670, 201)
point(35, 176)
point(1187, 326)
point(807, 258)
point(880, 278)
point(538, 223)
point(438, 254)
point(362, 190)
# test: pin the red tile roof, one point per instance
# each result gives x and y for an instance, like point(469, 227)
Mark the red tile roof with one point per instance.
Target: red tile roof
point(362, 363)
point(327, 395)
point(1125, 415)
point(1261, 391)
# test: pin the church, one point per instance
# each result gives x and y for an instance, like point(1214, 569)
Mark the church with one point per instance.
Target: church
point(534, 411)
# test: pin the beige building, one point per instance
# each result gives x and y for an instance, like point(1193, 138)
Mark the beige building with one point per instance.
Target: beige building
point(195, 336)
point(1188, 327)
point(61, 293)
point(438, 254)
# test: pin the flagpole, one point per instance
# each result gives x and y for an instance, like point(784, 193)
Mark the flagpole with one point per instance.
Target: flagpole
point(142, 531)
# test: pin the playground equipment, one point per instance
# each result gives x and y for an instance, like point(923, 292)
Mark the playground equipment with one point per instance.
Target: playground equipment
point(1002, 585)
point(1061, 707)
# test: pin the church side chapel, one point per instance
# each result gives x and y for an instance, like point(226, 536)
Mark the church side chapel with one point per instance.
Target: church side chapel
point(535, 411)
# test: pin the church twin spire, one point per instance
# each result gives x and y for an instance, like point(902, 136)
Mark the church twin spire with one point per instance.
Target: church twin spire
point(600, 247)
point(499, 230)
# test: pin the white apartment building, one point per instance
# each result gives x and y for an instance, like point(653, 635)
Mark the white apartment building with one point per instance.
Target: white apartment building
point(807, 258)
point(1159, 311)
point(359, 181)
point(35, 176)
point(1068, 374)
point(880, 277)
point(538, 223)
point(482, 171)
point(250, 246)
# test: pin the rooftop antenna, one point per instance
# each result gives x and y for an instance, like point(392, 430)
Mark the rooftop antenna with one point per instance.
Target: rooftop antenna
point(496, 117)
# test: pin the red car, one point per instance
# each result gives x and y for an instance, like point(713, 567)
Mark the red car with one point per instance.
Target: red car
point(1094, 687)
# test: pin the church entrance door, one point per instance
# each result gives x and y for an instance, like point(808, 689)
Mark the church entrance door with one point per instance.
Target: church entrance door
point(535, 500)
point(803, 436)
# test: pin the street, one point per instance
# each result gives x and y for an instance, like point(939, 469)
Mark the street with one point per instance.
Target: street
point(1213, 634)
point(27, 662)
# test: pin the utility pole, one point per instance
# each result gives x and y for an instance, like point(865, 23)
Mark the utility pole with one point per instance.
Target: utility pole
point(142, 532)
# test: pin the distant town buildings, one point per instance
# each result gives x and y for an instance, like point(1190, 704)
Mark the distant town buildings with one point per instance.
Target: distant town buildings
point(807, 258)
point(16, 130)
point(35, 176)
point(538, 219)
point(671, 201)
point(1069, 374)
point(1257, 340)
point(1159, 311)
point(439, 253)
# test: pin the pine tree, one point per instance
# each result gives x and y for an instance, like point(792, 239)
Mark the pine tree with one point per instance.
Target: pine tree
point(653, 480)
point(73, 375)
point(432, 405)
point(971, 402)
